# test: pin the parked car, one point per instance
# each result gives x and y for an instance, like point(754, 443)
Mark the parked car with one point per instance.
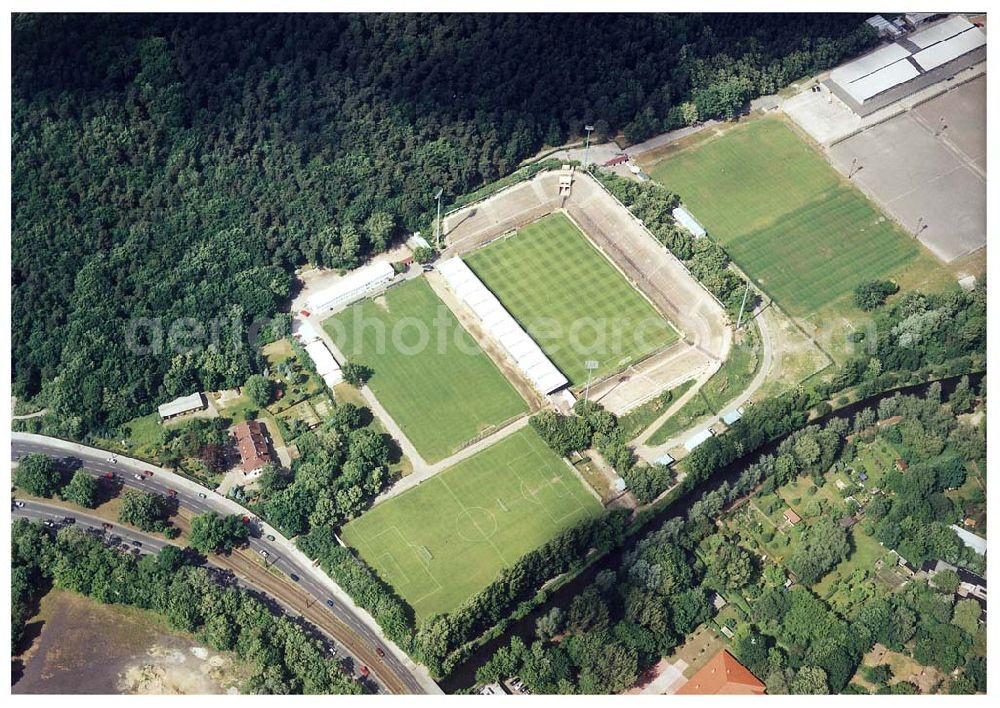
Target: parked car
point(203, 495)
point(138, 477)
point(147, 473)
point(380, 651)
point(171, 493)
point(364, 670)
point(69, 520)
point(264, 553)
point(19, 504)
point(108, 475)
point(137, 544)
point(294, 577)
point(270, 537)
point(329, 603)
point(106, 526)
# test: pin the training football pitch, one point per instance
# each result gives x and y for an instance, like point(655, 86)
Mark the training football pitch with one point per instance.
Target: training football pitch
point(441, 542)
point(429, 373)
point(570, 298)
point(786, 216)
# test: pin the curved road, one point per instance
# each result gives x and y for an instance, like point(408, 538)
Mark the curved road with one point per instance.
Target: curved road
point(352, 628)
point(143, 543)
point(651, 453)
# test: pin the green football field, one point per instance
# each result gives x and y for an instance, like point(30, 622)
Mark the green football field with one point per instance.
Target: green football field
point(429, 373)
point(574, 303)
point(785, 216)
point(446, 539)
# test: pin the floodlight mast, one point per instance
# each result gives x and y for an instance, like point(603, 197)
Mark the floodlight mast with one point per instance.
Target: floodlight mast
point(586, 152)
point(590, 365)
point(437, 226)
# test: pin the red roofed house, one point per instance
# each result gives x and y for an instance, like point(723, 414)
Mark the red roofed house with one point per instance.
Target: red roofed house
point(251, 441)
point(791, 517)
point(722, 675)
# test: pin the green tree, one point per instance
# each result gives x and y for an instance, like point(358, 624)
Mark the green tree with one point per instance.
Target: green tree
point(872, 294)
point(37, 474)
point(82, 490)
point(259, 390)
point(144, 510)
point(212, 533)
point(356, 374)
point(810, 680)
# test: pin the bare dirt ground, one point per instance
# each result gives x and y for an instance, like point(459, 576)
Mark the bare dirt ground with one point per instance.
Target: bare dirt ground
point(84, 647)
point(795, 356)
point(639, 383)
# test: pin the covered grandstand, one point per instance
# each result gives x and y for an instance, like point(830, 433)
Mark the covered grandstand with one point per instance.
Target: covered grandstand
point(352, 287)
point(909, 64)
point(502, 327)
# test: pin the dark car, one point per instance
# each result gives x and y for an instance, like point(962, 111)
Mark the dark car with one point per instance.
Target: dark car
point(136, 543)
point(380, 652)
point(69, 520)
point(294, 577)
point(329, 603)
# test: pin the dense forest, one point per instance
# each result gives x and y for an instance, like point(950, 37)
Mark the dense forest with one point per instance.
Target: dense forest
point(181, 166)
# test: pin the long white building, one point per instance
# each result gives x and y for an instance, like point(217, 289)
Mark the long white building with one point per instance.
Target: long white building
point(500, 325)
point(352, 287)
point(326, 366)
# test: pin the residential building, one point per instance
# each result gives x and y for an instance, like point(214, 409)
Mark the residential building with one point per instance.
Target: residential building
point(723, 675)
point(251, 442)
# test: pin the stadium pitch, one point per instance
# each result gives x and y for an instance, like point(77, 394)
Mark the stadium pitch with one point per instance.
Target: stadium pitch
point(571, 300)
point(441, 542)
point(785, 216)
point(443, 391)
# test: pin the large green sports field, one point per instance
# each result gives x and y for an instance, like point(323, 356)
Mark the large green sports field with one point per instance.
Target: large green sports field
point(429, 373)
point(786, 216)
point(570, 298)
point(446, 539)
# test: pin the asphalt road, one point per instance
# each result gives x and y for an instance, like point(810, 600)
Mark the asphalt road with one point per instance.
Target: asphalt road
point(348, 629)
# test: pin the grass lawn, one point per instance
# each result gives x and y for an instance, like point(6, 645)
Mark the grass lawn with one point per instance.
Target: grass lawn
point(732, 378)
point(786, 216)
point(644, 415)
point(441, 542)
point(571, 299)
point(429, 373)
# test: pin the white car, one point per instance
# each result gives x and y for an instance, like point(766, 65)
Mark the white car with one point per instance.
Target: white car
point(264, 553)
point(113, 460)
point(19, 504)
point(138, 477)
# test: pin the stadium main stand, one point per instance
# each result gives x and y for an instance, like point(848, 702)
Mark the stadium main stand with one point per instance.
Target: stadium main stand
point(502, 327)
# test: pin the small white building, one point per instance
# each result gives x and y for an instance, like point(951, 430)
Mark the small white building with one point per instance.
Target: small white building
point(697, 439)
point(683, 217)
point(417, 241)
point(352, 287)
point(976, 543)
point(305, 332)
point(883, 26)
point(182, 405)
point(326, 366)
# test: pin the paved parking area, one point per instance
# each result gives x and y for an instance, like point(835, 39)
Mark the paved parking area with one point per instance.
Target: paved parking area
point(928, 173)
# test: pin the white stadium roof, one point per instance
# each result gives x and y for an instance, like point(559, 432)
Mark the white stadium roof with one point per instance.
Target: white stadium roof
point(326, 366)
point(898, 63)
point(949, 49)
point(868, 64)
point(352, 286)
point(501, 326)
point(687, 220)
point(941, 31)
point(181, 404)
point(697, 439)
point(882, 80)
